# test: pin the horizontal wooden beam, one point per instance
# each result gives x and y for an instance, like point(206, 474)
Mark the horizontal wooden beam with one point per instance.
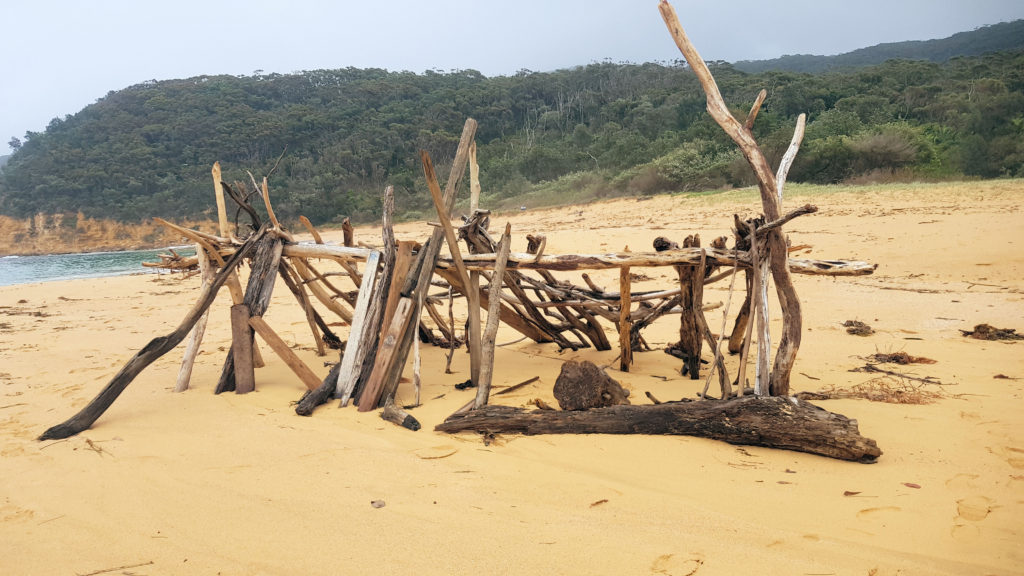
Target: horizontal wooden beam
point(568, 262)
point(682, 256)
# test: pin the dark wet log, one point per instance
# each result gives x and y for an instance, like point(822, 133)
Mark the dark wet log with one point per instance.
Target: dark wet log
point(257, 296)
point(772, 422)
point(313, 398)
point(396, 415)
point(149, 353)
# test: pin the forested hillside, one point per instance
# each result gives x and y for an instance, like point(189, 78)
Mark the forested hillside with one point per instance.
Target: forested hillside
point(1002, 37)
point(597, 130)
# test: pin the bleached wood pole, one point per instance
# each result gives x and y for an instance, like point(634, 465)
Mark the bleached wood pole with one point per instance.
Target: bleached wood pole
point(196, 337)
point(473, 337)
point(625, 321)
point(222, 210)
point(474, 180)
point(233, 283)
point(269, 206)
point(790, 155)
point(355, 350)
point(490, 334)
point(312, 231)
point(775, 243)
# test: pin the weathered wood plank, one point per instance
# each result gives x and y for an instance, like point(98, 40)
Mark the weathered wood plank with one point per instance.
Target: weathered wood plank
point(355, 350)
point(280, 347)
point(241, 349)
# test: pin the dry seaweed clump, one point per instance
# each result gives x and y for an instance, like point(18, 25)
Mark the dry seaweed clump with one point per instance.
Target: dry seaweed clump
point(858, 328)
point(900, 358)
point(989, 332)
point(884, 389)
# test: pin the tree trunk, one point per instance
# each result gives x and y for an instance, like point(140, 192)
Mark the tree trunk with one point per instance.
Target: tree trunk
point(771, 422)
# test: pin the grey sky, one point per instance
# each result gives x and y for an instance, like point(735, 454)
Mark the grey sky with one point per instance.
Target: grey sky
point(63, 55)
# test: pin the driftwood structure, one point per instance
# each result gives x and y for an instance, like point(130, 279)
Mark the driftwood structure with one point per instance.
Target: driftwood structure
point(390, 310)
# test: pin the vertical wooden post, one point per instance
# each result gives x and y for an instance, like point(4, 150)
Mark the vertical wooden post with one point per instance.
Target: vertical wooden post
point(625, 322)
point(764, 337)
point(691, 286)
point(241, 348)
point(233, 284)
point(473, 338)
point(222, 210)
point(490, 334)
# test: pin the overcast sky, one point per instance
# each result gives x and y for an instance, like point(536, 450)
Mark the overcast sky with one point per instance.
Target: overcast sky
point(60, 56)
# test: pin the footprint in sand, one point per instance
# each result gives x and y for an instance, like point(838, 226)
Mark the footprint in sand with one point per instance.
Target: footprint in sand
point(1013, 456)
point(962, 481)
point(974, 508)
point(12, 513)
point(673, 565)
point(12, 450)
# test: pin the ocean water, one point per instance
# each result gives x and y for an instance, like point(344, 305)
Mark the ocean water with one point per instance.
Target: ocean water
point(30, 269)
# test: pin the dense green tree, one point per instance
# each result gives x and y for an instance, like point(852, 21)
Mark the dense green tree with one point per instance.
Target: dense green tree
point(609, 128)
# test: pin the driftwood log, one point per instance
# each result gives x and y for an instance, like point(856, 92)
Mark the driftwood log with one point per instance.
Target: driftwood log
point(772, 422)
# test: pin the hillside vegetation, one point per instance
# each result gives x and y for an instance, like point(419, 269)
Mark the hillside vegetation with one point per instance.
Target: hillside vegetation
point(1002, 37)
point(593, 131)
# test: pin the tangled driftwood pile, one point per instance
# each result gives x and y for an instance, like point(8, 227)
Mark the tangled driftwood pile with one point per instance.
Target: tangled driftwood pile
point(392, 290)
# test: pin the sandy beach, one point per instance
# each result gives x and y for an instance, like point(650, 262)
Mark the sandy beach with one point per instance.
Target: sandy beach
point(194, 483)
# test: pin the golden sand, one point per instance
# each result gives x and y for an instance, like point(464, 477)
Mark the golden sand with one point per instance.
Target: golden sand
point(194, 483)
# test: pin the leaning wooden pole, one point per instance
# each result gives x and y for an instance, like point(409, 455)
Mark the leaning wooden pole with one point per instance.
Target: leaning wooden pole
point(490, 334)
point(149, 353)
